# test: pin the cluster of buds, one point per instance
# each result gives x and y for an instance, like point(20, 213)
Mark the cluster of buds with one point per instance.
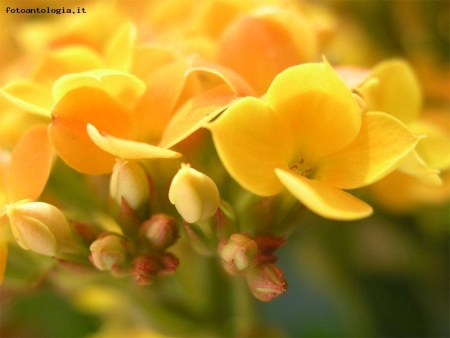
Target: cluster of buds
point(143, 259)
point(253, 258)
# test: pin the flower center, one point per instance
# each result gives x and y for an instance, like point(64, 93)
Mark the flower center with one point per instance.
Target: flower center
point(301, 168)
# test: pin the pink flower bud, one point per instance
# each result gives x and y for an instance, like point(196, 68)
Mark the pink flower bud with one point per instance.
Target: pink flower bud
point(194, 194)
point(238, 252)
point(160, 231)
point(40, 227)
point(169, 264)
point(144, 269)
point(110, 252)
point(266, 282)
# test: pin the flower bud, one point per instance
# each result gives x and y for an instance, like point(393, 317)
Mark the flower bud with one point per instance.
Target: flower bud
point(266, 282)
point(129, 181)
point(144, 269)
point(168, 263)
point(238, 253)
point(160, 231)
point(40, 227)
point(110, 252)
point(194, 194)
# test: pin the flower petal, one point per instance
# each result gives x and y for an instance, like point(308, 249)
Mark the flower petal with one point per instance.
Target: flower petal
point(74, 146)
point(123, 87)
point(195, 114)
point(324, 200)
point(66, 60)
point(258, 46)
point(92, 105)
point(434, 149)
point(398, 91)
point(30, 165)
point(119, 51)
point(29, 96)
point(316, 105)
point(128, 149)
point(251, 141)
point(414, 165)
point(381, 144)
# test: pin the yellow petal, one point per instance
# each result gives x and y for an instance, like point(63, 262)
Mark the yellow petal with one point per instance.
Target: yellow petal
point(74, 146)
point(195, 114)
point(128, 149)
point(434, 149)
point(120, 49)
point(382, 143)
point(324, 200)
point(398, 91)
point(30, 165)
point(234, 81)
point(29, 96)
point(251, 141)
point(317, 106)
point(66, 60)
point(3, 259)
point(125, 88)
point(415, 166)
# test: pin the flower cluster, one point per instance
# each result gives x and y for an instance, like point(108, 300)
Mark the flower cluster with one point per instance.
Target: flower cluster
point(173, 131)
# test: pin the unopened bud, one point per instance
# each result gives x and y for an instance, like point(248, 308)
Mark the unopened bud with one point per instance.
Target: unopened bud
point(266, 282)
point(144, 269)
point(194, 194)
point(40, 227)
point(160, 231)
point(238, 253)
point(168, 264)
point(129, 181)
point(110, 252)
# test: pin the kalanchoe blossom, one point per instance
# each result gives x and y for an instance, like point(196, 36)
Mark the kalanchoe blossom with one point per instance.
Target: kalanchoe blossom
point(309, 137)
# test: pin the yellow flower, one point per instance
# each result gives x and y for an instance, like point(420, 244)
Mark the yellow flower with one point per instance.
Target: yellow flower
point(309, 137)
point(393, 88)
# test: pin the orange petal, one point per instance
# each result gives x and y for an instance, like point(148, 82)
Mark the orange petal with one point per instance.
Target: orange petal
point(154, 110)
point(93, 105)
point(195, 114)
point(324, 200)
point(74, 146)
point(381, 144)
point(317, 106)
point(258, 47)
point(251, 141)
point(30, 165)
point(128, 149)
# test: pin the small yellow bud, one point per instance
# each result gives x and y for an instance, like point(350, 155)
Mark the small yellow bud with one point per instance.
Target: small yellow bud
point(109, 252)
point(40, 227)
point(129, 181)
point(194, 194)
